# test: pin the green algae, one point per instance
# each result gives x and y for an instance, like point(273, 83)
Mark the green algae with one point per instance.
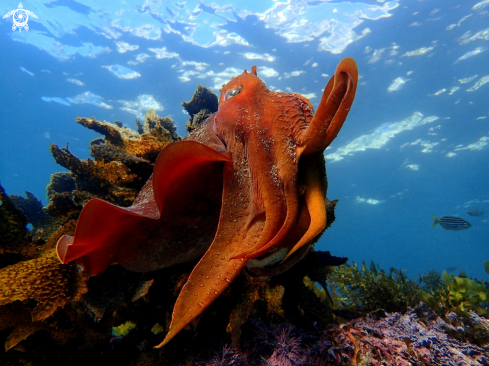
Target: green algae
point(458, 294)
point(157, 329)
point(123, 329)
point(362, 289)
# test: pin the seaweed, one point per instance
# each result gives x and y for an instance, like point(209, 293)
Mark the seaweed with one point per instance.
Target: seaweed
point(363, 290)
point(456, 294)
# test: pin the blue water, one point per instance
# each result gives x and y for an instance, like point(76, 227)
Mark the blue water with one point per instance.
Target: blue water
point(401, 156)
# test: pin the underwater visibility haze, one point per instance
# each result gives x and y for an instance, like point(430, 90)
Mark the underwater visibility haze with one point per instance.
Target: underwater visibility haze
point(415, 143)
point(210, 205)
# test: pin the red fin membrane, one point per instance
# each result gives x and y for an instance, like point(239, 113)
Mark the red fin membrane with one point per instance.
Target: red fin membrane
point(107, 234)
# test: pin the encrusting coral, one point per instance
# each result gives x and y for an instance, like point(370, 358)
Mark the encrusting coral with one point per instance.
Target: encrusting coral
point(44, 280)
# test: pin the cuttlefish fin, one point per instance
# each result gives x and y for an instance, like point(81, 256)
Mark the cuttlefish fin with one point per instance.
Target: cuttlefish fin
point(333, 108)
point(97, 234)
point(217, 268)
point(102, 226)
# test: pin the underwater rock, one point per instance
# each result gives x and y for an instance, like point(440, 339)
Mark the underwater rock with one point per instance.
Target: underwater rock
point(12, 222)
point(43, 225)
point(203, 103)
point(398, 339)
point(32, 209)
point(152, 121)
point(197, 119)
point(60, 183)
point(14, 237)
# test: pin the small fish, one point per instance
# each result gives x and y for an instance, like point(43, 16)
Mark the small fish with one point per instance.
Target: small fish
point(451, 223)
point(475, 212)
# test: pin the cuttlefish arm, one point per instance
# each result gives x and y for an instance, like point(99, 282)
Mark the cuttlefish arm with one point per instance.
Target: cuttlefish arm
point(216, 270)
point(266, 134)
point(333, 109)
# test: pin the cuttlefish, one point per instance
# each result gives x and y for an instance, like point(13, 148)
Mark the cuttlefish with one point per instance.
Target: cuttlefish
point(248, 186)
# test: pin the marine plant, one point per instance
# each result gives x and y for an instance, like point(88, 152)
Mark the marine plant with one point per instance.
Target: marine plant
point(123, 329)
point(363, 290)
point(458, 294)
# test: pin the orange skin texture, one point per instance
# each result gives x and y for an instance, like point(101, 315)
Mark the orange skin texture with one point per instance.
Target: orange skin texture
point(246, 183)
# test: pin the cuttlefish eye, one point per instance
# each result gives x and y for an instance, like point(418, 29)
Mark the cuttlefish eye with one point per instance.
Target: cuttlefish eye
point(233, 92)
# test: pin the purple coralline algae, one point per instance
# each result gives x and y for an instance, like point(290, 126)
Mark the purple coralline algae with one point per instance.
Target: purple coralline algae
point(397, 339)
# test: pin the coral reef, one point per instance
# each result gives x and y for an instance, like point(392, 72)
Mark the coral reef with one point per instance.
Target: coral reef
point(203, 103)
point(15, 241)
point(398, 339)
point(43, 225)
point(46, 281)
point(123, 162)
point(318, 312)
